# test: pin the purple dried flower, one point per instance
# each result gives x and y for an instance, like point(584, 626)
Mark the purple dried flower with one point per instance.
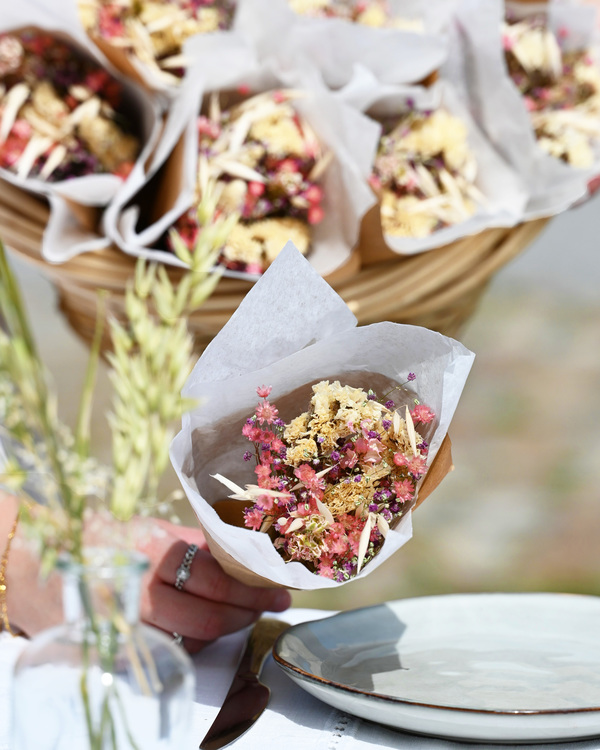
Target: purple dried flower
point(247, 456)
point(386, 424)
point(335, 456)
point(411, 376)
point(390, 404)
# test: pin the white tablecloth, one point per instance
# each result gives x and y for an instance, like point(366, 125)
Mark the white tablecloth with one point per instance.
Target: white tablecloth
point(294, 719)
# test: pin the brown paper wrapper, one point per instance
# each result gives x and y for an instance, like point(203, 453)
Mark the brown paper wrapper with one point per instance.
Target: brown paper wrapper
point(372, 247)
point(87, 216)
point(120, 59)
point(231, 511)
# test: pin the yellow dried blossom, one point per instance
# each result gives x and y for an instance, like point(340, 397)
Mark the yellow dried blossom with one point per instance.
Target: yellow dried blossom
point(241, 246)
point(281, 132)
point(399, 217)
point(106, 141)
point(440, 134)
point(48, 104)
point(304, 450)
point(296, 428)
point(308, 7)
point(374, 15)
point(261, 241)
point(347, 496)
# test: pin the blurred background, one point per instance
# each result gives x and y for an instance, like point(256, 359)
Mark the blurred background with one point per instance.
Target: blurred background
point(521, 510)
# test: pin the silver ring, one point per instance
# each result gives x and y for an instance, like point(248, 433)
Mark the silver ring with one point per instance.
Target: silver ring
point(184, 570)
point(177, 639)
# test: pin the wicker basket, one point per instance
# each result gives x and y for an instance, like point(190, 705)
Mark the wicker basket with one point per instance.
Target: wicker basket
point(438, 289)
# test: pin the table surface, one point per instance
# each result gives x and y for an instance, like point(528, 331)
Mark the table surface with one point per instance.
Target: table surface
point(294, 719)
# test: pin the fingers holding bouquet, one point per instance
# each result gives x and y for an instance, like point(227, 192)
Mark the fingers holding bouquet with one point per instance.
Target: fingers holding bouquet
point(188, 594)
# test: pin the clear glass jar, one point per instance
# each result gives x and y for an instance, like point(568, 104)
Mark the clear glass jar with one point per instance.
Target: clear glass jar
point(103, 679)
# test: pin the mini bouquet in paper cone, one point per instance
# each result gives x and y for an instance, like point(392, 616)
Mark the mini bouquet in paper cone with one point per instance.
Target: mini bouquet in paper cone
point(350, 433)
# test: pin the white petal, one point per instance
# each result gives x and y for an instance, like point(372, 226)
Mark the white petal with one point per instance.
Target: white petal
point(214, 108)
point(35, 148)
point(296, 524)
point(87, 110)
point(229, 484)
point(55, 158)
point(13, 102)
point(237, 169)
point(325, 512)
point(410, 428)
point(382, 525)
point(317, 171)
point(176, 61)
point(363, 543)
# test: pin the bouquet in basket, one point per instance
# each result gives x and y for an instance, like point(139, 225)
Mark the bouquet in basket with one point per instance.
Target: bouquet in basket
point(152, 33)
point(287, 157)
point(425, 174)
point(560, 86)
point(267, 163)
point(62, 116)
point(342, 446)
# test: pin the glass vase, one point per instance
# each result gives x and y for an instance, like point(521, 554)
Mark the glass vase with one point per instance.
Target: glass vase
point(102, 680)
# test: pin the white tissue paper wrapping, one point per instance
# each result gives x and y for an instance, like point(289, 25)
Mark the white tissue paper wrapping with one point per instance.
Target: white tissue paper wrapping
point(64, 236)
point(335, 45)
point(227, 61)
point(501, 186)
point(499, 108)
point(292, 329)
point(227, 57)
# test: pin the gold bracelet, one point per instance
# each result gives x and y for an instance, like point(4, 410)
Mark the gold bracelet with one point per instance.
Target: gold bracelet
point(3, 584)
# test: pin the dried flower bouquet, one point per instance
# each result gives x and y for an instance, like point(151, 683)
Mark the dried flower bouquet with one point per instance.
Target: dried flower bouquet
point(61, 115)
point(287, 156)
point(153, 32)
point(560, 87)
point(425, 174)
point(336, 478)
point(267, 163)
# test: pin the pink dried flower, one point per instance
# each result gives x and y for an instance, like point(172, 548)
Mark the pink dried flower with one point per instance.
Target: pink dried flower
point(267, 412)
point(404, 490)
point(315, 215)
point(422, 413)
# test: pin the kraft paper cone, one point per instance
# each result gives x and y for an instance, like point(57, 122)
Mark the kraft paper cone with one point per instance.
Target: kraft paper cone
point(292, 331)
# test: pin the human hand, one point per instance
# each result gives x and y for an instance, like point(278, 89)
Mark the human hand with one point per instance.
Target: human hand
point(211, 603)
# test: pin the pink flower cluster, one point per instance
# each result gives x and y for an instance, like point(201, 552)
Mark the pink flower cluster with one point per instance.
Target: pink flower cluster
point(328, 489)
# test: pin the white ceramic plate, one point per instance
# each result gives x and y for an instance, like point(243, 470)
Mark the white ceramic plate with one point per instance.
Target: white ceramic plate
point(478, 667)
